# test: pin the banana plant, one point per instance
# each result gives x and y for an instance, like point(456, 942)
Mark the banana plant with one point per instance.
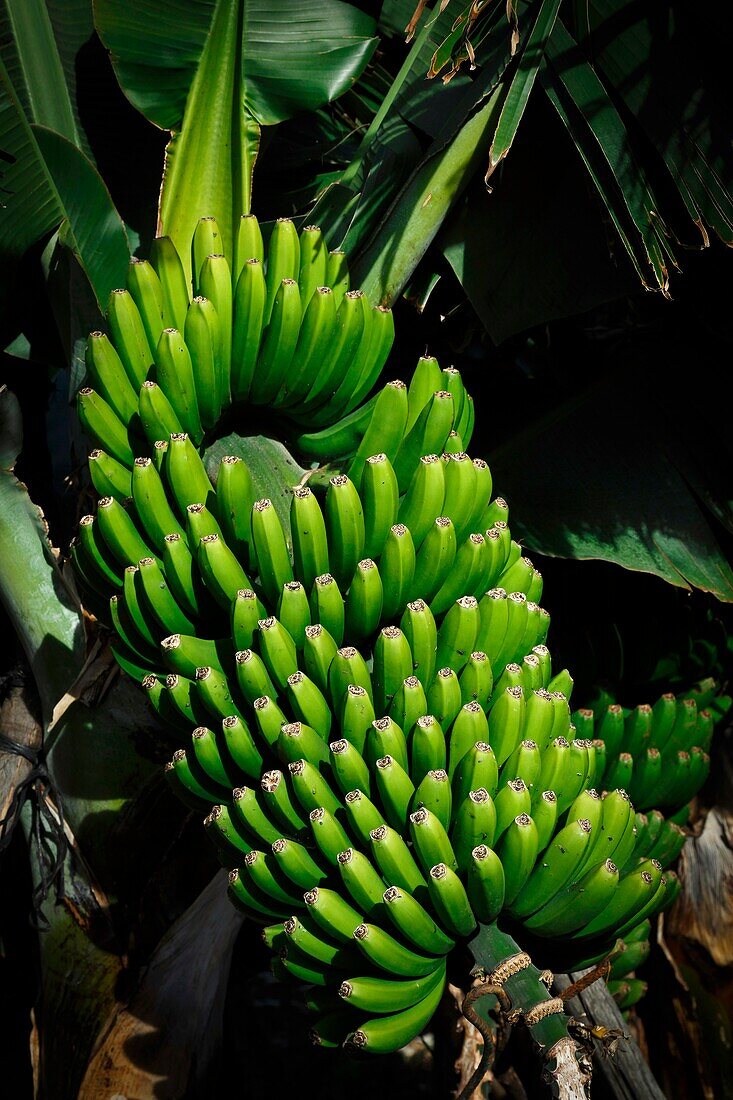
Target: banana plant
point(230, 596)
point(384, 796)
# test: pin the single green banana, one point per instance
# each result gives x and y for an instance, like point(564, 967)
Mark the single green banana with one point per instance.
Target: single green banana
point(387, 953)
point(252, 676)
point(544, 815)
point(235, 496)
point(247, 244)
point(278, 651)
point(409, 703)
point(203, 336)
point(283, 259)
point(385, 738)
point(128, 336)
point(356, 715)
point(506, 726)
point(450, 900)
point(169, 269)
point(427, 749)
point(517, 849)
point(435, 560)
point(271, 551)
point(384, 995)
point(347, 667)
point(310, 541)
point(396, 862)
point(477, 769)
point(110, 477)
point(101, 422)
point(250, 300)
point(485, 884)
point(186, 475)
point(328, 833)
point(476, 679)
point(385, 429)
point(207, 239)
point(297, 864)
point(423, 500)
point(309, 704)
point(109, 378)
point(120, 534)
point(430, 840)
point(349, 769)
point(363, 883)
point(380, 499)
point(293, 611)
point(395, 790)
point(345, 528)
point(474, 823)
point(327, 606)
point(215, 284)
point(363, 815)
point(418, 626)
point(397, 570)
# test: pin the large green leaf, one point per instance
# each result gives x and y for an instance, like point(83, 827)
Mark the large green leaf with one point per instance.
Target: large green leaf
point(642, 105)
point(604, 476)
point(36, 599)
point(48, 182)
point(213, 72)
point(39, 45)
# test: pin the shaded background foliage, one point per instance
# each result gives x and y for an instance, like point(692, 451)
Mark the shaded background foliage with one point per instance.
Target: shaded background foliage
point(602, 409)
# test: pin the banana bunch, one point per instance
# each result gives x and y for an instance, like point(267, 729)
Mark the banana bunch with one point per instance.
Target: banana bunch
point(274, 326)
point(658, 753)
point(371, 849)
point(365, 705)
point(171, 555)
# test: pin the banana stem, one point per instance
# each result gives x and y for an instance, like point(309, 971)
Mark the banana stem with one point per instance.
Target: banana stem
point(504, 966)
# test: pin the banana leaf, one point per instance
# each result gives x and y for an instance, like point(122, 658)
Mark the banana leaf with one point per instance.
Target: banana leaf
point(642, 113)
point(619, 491)
point(48, 180)
point(40, 606)
point(39, 45)
point(214, 74)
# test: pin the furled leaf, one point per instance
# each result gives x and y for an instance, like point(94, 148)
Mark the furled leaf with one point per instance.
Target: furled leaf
point(214, 73)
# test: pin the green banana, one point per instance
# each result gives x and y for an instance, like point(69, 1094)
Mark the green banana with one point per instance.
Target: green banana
point(397, 570)
point(250, 300)
point(485, 884)
point(327, 611)
point(169, 269)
